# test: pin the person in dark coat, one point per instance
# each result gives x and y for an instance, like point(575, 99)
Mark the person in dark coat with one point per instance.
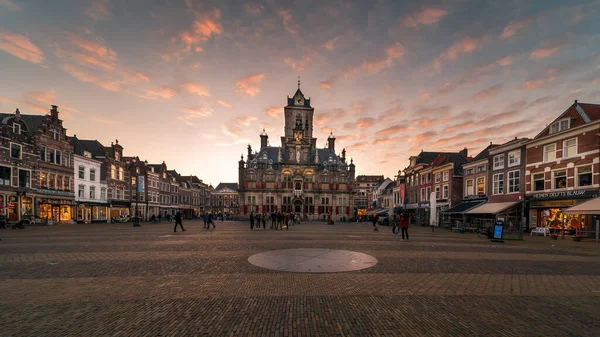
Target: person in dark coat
point(251, 220)
point(178, 222)
point(264, 220)
point(404, 226)
point(374, 220)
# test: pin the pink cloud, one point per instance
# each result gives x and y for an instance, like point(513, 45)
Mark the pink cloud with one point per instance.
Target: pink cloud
point(330, 44)
point(21, 47)
point(512, 28)
point(425, 17)
point(249, 85)
point(548, 48)
point(286, 16)
point(325, 85)
point(205, 26)
point(388, 89)
point(224, 103)
point(488, 92)
point(245, 120)
point(299, 64)
point(467, 44)
point(47, 97)
point(191, 114)
point(392, 52)
point(162, 92)
point(196, 88)
point(325, 117)
point(365, 122)
point(274, 112)
point(505, 61)
point(392, 130)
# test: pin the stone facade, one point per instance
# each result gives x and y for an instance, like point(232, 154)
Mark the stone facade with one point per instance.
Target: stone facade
point(297, 176)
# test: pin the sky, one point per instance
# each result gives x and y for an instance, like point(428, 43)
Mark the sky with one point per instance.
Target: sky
point(192, 83)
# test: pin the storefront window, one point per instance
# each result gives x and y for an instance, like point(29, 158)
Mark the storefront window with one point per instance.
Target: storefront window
point(560, 179)
point(584, 176)
point(103, 213)
point(481, 185)
point(80, 213)
point(52, 181)
point(94, 213)
point(553, 218)
point(45, 211)
point(66, 184)
point(26, 206)
point(66, 213)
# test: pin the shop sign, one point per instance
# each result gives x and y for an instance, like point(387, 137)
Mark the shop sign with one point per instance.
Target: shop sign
point(57, 192)
point(576, 194)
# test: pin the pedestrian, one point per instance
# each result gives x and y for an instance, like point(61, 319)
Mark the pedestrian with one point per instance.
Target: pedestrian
point(292, 221)
point(2, 220)
point(374, 220)
point(251, 220)
point(213, 220)
point(153, 218)
point(205, 218)
point(273, 219)
point(178, 222)
point(404, 225)
point(159, 217)
point(264, 221)
point(394, 221)
point(209, 221)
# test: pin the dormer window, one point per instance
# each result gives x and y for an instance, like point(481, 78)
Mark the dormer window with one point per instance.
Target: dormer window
point(87, 154)
point(17, 128)
point(117, 156)
point(560, 125)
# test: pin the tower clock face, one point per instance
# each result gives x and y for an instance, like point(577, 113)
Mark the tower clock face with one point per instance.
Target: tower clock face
point(299, 101)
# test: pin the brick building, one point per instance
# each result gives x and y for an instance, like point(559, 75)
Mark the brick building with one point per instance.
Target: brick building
point(364, 185)
point(563, 168)
point(226, 199)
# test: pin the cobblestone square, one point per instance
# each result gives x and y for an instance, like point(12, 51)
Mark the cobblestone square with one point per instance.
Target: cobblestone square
point(116, 280)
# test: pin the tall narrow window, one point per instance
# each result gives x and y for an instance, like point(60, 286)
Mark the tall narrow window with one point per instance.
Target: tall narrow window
point(446, 176)
point(42, 153)
point(24, 178)
point(66, 183)
point(5, 176)
point(498, 183)
point(538, 182)
point(81, 172)
point(550, 152)
point(514, 158)
point(15, 151)
point(514, 179)
point(52, 153)
point(470, 187)
point(499, 162)
point(58, 157)
point(584, 176)
point(81, 191)
point(93, 174)
point(481, 185)
point(570, 148)
point(445, 193)
point(43, 180)
point(92, 192)
point(17, 128)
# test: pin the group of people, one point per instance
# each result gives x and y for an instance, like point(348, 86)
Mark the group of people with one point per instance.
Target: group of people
point(278, 220)
point(399, 223)
point(209, 219)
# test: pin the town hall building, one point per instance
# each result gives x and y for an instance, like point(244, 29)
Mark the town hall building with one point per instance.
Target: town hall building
point(297, 176)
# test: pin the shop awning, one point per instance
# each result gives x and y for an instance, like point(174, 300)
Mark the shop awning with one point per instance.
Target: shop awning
point(464, 206)
point(378, 211)
point(588, 207)
point(492, 207)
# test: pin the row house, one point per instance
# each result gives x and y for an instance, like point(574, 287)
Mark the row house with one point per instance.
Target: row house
point(475, 185)
point(528, 183)
point(563, 168)
point(364, 185)
point(226, 200)
point(36, 174)
point(91, 190)
point(200, 195)
point(398, 193)
point(500, 174)
point(433, 173)
point(113, 171)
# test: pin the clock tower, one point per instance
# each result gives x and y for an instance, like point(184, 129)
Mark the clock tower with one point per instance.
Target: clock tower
point(298, 137)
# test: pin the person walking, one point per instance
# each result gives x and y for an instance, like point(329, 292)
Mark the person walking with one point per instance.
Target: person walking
point(273, 219)
point(251, 220)
point(394, 221)
point(264, 221)
point(210, 221)
point(178, 222)
point(374, 220)
point(404, 226)
point(205, 218)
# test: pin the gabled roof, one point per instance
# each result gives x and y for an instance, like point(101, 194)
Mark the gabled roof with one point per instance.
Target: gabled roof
point(291, 102)
point(484, 153)
point(92, 146)
point(580, 113)
point(34, 122)
point(231, 186)
point(193, 179)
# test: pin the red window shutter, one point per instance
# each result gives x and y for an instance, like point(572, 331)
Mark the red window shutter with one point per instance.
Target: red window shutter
point(264, 209)
point(245, 209)
point(337, 186)
point(348, 210)
point(245, 184)
point(257, 208)
point(264, 185)
point(276, 184)
point(275, 208)
point(330, 186)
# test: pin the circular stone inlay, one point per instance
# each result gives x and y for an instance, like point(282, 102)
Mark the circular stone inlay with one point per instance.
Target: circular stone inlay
point(312, 260)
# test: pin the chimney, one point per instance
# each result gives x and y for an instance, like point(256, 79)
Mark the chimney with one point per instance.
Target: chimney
point(464, 152)
point(331, 141)
point(54, 112)
point(575, 101)
point(264, 138)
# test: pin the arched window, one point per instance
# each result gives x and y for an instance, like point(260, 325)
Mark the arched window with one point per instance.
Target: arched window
point(299, 121)
point(298, 186)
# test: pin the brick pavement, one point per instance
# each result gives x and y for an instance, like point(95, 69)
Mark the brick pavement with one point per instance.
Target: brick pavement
point(115, 280)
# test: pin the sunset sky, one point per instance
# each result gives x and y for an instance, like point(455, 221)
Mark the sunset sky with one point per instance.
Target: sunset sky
point(194, 82)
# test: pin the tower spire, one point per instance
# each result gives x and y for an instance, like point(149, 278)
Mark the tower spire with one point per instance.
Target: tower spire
point(298, 82)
